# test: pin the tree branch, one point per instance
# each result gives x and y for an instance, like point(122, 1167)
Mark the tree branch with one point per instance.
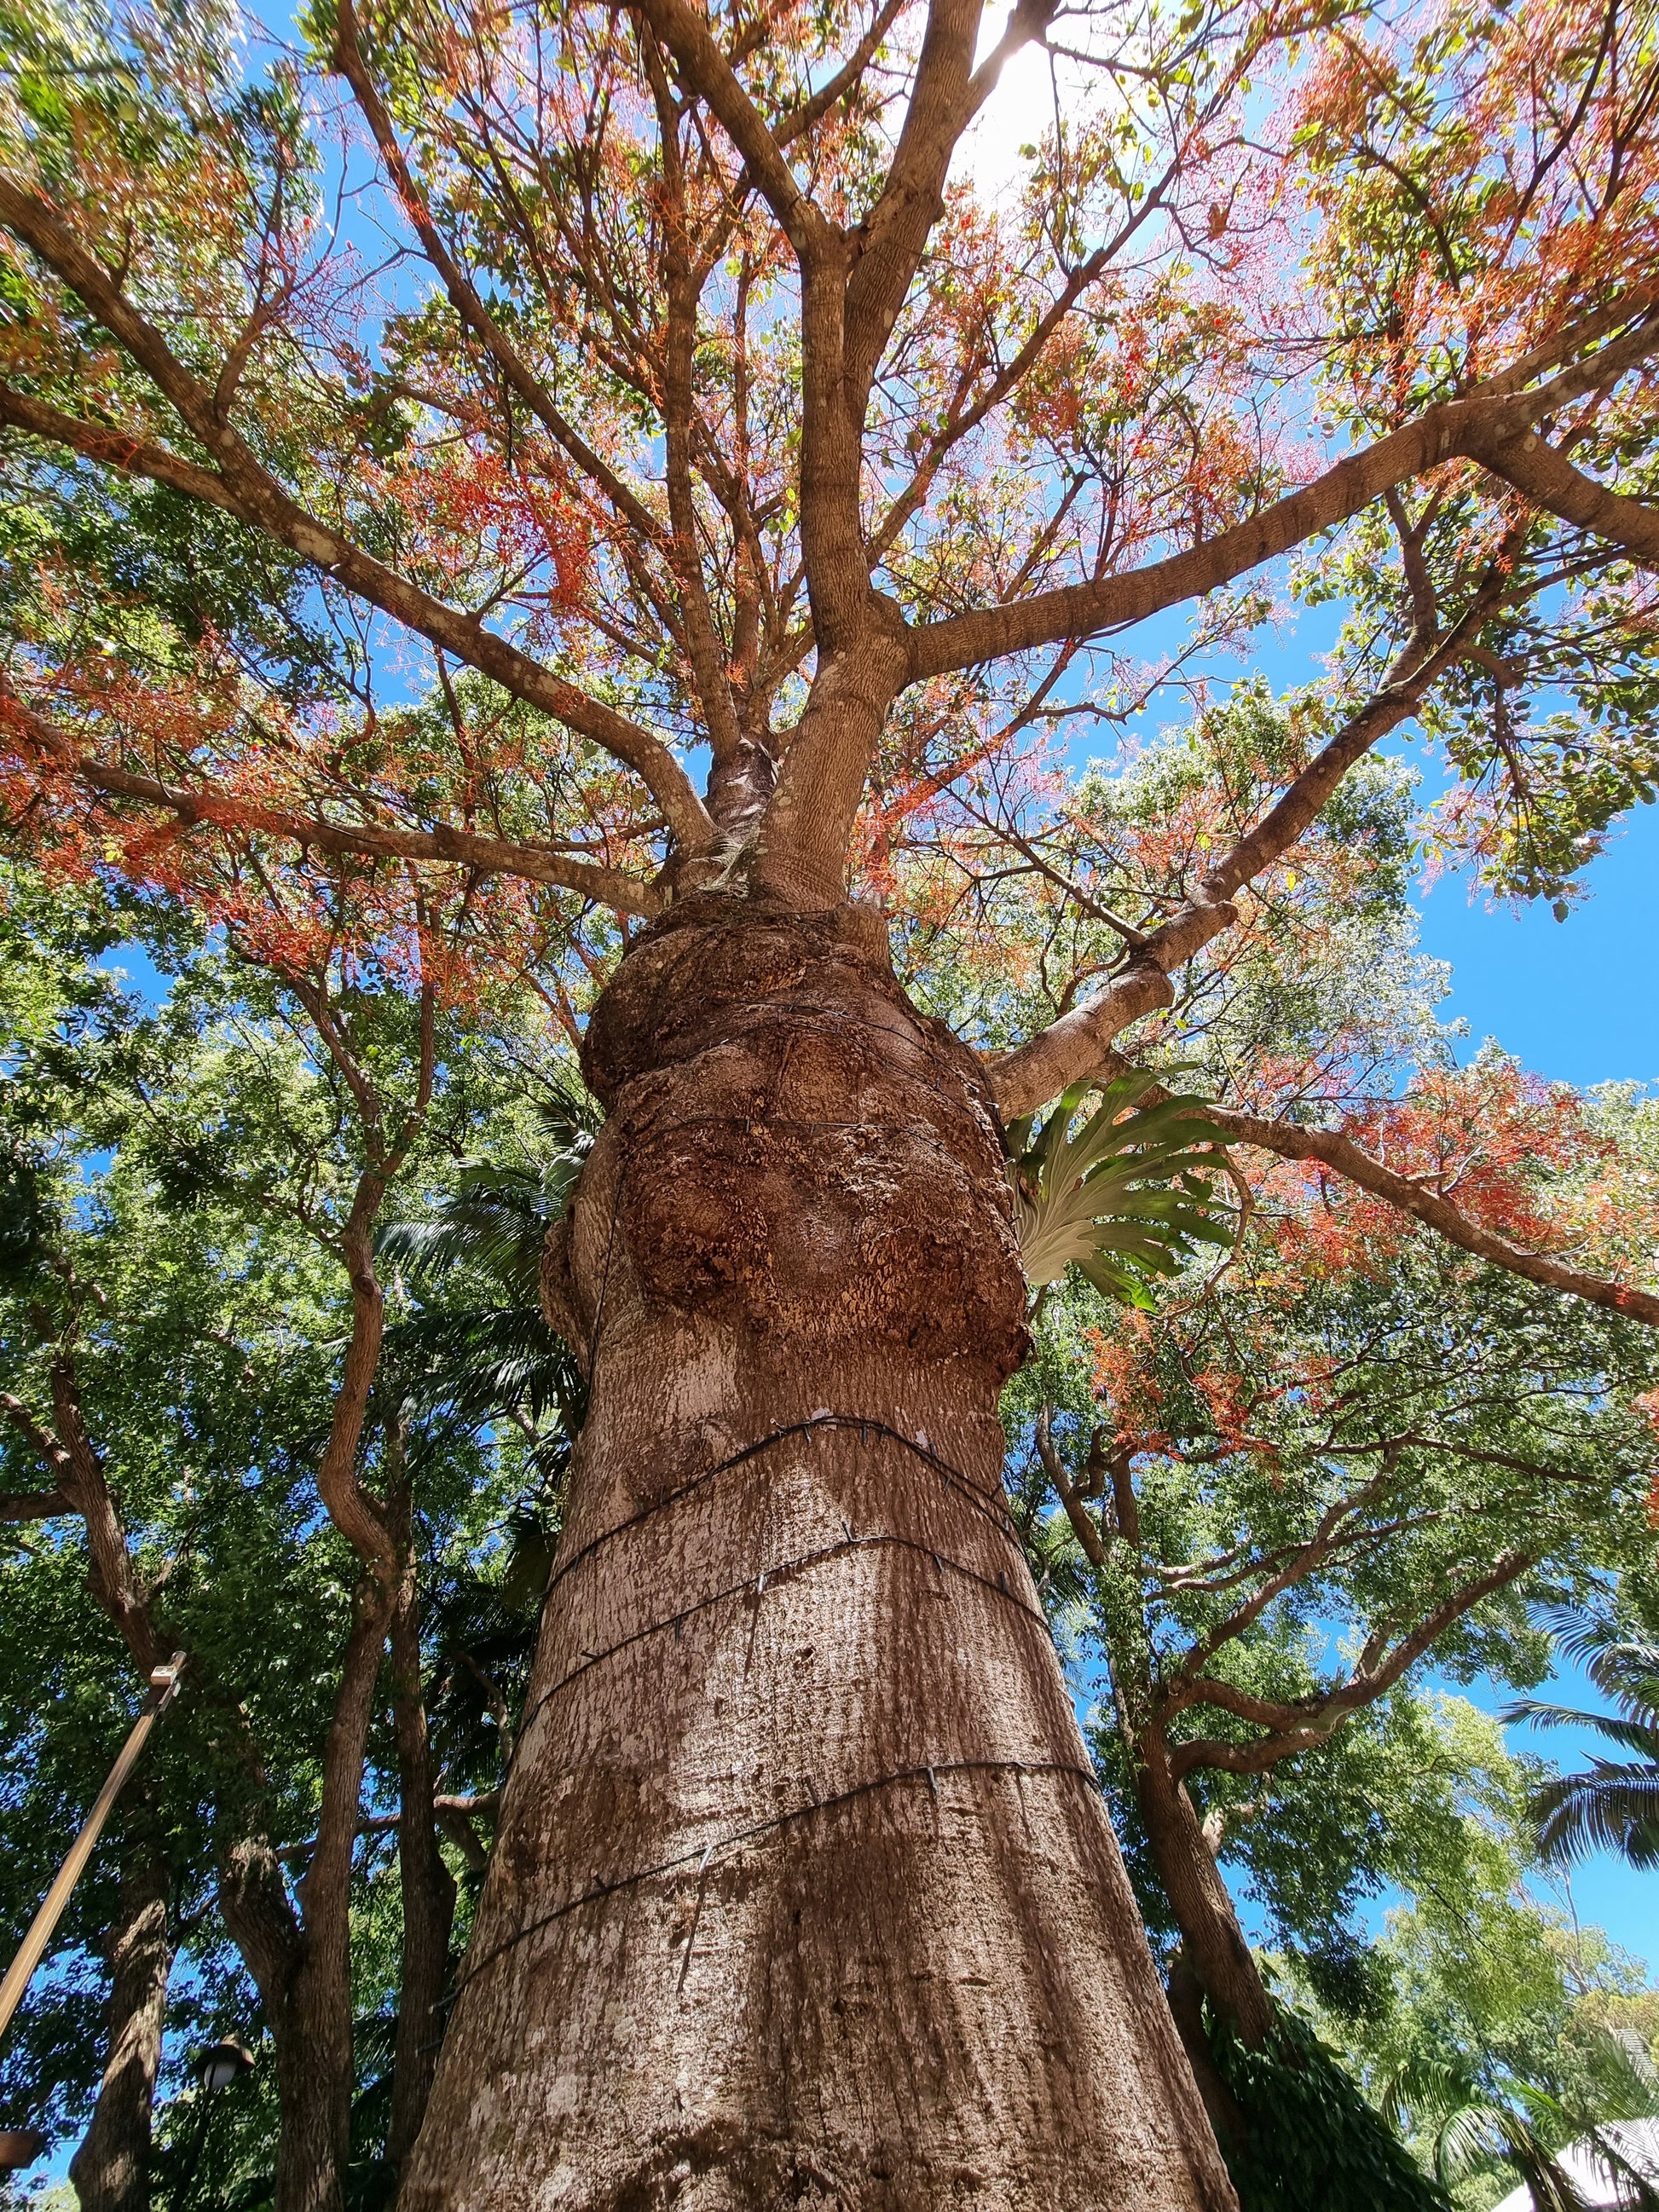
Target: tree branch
point(681, 301)
point(1054, 1468)
point(250, 492)
point(1074, 1045)
point(463, 294)
point(888, 244)
point(70, 1456)
point(606, 887)
point(1549, 480)
point(704, 69)
point(1335, 1151)
point(1490, 427)
point(1319, 1717)
point(817, 105)
point(34, 1505)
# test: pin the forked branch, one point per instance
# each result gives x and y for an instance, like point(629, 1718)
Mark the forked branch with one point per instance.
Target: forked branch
point(1299, 1724)
point(244, 488)
point(1075, 1045)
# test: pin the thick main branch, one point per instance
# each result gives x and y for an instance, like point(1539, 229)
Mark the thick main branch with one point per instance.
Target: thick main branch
point(1494, 427)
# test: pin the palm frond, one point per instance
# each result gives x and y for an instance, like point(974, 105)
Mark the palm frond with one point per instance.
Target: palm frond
point(1422, 2090)
point(497, 1222)
point(1126, 1196)
point(481, 1360)
point(1638, 1736)
point(1604, 1807)
point(1638, 2185)
point(1608, 1805)
point(1623, 1667)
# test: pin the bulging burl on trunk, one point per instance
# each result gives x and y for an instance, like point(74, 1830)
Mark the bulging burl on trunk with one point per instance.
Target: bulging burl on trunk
point(796, 1150)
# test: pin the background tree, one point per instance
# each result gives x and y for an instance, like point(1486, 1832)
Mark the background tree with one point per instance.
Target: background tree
point(1333, 1328)
point(176, 1173)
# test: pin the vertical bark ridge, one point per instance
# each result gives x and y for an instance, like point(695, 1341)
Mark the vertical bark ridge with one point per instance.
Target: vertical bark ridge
point(111, 2168)
point(426, 1885)
point(802, 1892)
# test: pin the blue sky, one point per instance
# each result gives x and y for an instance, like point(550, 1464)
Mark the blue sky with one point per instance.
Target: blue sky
point(1577, 1000)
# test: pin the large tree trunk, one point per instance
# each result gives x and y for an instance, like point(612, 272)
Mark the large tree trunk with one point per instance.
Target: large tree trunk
point(311, 2143)
point(1211, 1941)
point(110, 2169)
point(802, 1892)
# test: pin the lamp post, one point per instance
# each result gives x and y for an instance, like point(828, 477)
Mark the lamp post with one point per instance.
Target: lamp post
point(163, 1683)
point(216, 2068)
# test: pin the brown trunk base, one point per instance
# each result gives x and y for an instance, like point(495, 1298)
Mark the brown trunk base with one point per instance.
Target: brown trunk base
point(110, 2169)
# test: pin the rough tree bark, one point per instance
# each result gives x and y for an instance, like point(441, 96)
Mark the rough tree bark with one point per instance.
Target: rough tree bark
point(804, 1892)
point(1210, 1937)
point(110, 2169)
point(427, 1887)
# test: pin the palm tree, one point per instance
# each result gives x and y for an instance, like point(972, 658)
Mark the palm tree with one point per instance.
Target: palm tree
point(479, 1359)
point(1611, 1804)
point(1478, 2120)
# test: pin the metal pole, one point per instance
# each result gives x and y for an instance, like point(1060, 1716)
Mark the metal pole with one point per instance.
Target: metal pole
point(181, 2195)
point(163, 1684)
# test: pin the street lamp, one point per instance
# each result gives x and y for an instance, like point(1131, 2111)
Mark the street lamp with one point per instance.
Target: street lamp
point(214, 2069)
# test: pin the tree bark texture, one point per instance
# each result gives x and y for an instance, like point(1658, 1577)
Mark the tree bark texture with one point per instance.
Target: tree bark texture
point(110, 2169)
point(804, 1892)
point(301, 1962)
point(1212, 1942)
point(427, 1887)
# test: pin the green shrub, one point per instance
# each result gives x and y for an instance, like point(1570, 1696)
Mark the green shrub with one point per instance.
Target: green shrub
point(1314, 2143)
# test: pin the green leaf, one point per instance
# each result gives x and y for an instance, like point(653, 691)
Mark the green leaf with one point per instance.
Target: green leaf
point(1125, 1193)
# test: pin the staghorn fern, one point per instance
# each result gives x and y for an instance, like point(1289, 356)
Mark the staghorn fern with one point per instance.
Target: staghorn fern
point(1128, 1197)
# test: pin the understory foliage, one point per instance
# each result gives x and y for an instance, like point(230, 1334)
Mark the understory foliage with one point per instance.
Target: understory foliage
point(1315, 2145)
